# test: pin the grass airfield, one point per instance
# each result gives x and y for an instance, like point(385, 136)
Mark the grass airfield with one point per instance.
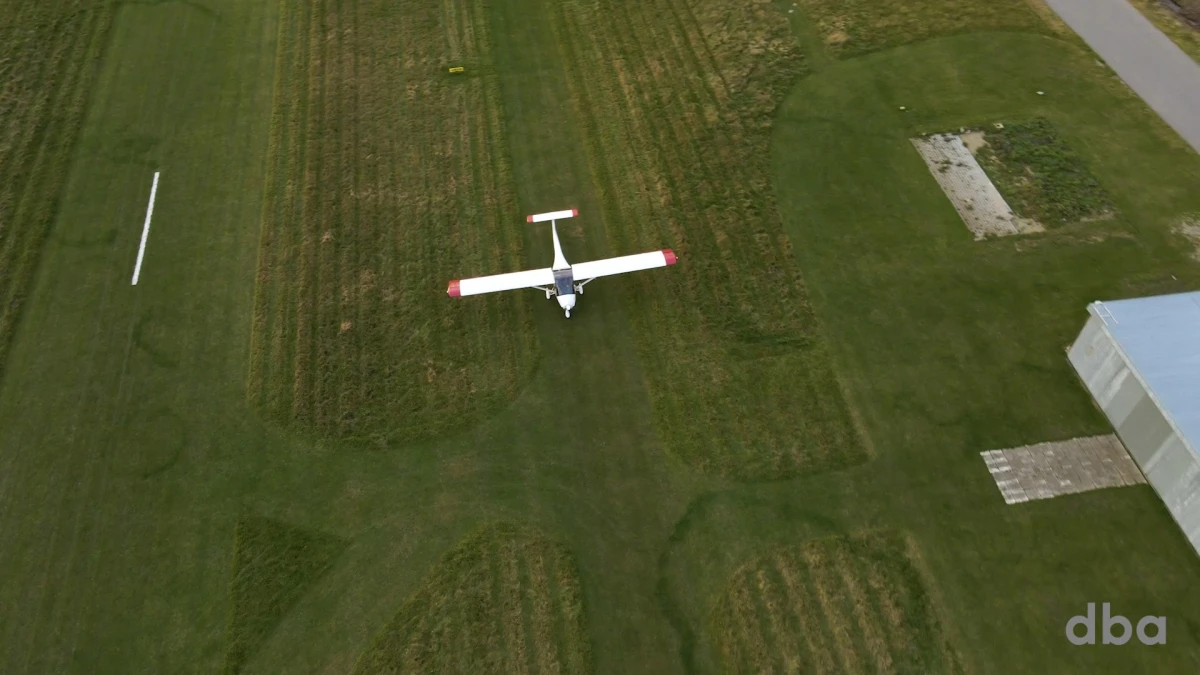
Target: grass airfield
point(749, 462)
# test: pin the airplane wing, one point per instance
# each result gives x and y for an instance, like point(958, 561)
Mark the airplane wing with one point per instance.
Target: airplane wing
point(623, 264)
point(501, 282)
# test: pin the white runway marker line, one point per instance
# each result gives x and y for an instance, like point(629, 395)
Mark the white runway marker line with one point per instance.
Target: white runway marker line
point(137, 268)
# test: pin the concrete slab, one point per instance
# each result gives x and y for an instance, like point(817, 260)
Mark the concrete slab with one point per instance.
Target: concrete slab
point(1047, 470)
point(1166, 78)
point(981, 206)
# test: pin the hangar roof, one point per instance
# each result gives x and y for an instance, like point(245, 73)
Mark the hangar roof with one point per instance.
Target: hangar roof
point(1160, 336)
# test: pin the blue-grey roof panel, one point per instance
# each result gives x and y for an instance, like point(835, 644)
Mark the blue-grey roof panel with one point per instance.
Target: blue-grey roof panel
point(1161, 337)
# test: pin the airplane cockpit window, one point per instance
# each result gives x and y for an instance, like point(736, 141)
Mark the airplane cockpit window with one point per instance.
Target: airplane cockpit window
point(563, 281)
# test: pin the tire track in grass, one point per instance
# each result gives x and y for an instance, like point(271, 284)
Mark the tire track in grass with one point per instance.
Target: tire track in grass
point(71, 93)
point(77, 474)
point(303, 340)
point(28, 137)
point(268, 327)
point(103, 469)
point(34, 174)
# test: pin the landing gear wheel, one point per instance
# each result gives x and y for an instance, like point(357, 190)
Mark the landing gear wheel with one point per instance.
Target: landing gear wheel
point(547, 295)
point(568, 313)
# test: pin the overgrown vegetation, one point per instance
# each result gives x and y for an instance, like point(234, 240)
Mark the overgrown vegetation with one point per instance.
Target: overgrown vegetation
point(1040, 176)
point(677, 100)
point(505, 600)
point(1180, 22)
point(848, 604)
point(274, 564)
point(1189, 10)
point(853, 27)
point(388, 178)
point(49, 52)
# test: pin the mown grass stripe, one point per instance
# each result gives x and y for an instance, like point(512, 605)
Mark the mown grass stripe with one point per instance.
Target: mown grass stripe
point(298, 152)
point(868, 621)
point(800, 603)
point(829, 597)
point(886, 592)
point(542, 614)
point(350, 268)
point(266, 331)
point(770, 600)
point(302, 364)
point(569, 623)
point(748, 623)
point(726, 635)
point(512, 610)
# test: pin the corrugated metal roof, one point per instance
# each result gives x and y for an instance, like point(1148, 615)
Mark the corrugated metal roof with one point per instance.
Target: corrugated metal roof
point(1160, 336)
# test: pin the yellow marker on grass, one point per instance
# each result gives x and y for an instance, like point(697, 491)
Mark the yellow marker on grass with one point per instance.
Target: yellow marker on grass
point(456, 69)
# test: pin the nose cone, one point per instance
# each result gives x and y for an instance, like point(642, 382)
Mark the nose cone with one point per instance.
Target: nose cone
point(567, 302)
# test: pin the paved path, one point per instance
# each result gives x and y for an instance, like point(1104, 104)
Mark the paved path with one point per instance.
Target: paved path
point(1166, 78)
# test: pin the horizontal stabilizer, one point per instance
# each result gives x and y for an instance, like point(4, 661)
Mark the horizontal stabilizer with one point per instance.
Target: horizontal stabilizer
point(553, 215)
point(623, 264)
point(501, 282)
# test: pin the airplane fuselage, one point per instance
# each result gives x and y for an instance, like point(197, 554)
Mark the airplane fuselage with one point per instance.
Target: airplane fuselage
point(564, 280)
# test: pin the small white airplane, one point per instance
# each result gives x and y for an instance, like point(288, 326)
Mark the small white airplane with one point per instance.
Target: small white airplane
point(562, 280)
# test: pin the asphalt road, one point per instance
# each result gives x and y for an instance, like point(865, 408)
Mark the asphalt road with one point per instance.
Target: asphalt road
point(1166, 78)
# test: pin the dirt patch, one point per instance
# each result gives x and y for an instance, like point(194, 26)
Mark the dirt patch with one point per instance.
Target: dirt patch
point(974, 140)
point(836, 37)
point(1189, 227)
point(872, 25)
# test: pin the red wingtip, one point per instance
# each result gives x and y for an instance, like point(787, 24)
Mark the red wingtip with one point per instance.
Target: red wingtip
point(529, 219)
point(574, 212)
point(669, 255)
point(453, 290)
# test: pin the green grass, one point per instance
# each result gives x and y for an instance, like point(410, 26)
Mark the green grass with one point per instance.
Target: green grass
point(844, 604)
point(1040, 176)
point(273, 565)
point(952, 346)
point(829, 312)
point(505, 600)
point(125, 447)
point(854, 27)
point(48, 52)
